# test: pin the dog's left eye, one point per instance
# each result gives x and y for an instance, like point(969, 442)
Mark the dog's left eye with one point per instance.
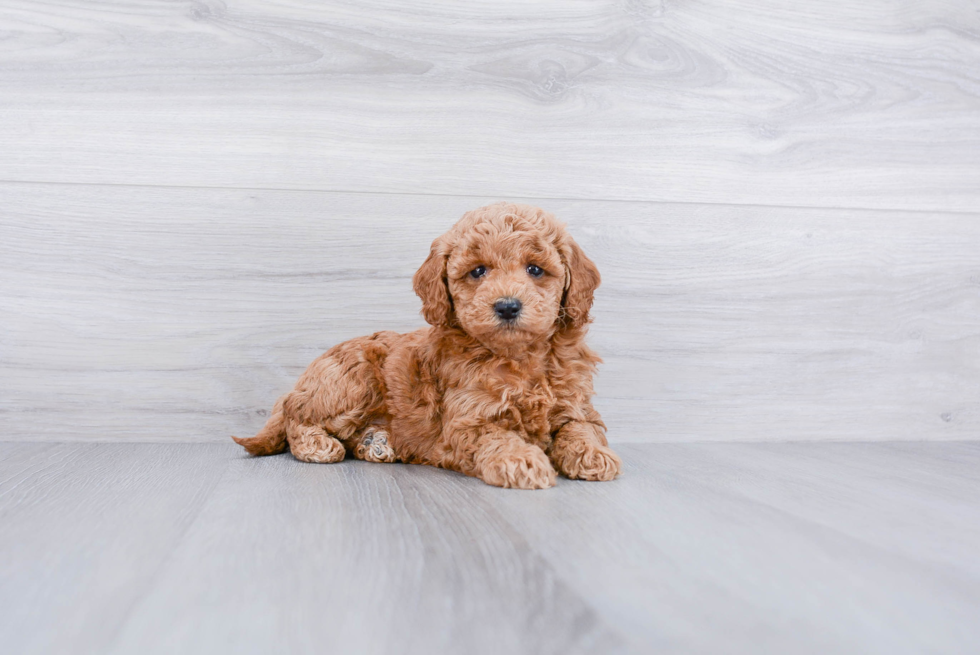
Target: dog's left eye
point(534, 270)
point(478, 272)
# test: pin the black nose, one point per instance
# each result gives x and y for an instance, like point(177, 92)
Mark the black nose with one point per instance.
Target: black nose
point(507, 308)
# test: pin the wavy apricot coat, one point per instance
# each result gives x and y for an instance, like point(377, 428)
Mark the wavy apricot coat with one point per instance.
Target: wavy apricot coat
point(508, 401)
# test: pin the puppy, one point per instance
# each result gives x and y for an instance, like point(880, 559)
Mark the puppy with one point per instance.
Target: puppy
point(498, 388)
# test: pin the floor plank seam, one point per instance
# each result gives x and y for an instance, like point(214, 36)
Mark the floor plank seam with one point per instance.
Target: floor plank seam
point(165, 562)
point(517, 538)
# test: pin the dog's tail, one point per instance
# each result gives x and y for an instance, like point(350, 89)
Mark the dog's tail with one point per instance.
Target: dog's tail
point(271, 440)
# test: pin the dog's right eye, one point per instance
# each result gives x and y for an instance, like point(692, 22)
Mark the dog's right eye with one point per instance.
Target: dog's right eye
point(478, 272)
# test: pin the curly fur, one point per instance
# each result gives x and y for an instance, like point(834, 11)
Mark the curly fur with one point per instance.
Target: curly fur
point(507, 403)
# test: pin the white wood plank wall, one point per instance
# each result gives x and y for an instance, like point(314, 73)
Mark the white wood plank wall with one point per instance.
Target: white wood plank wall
point(197, 198)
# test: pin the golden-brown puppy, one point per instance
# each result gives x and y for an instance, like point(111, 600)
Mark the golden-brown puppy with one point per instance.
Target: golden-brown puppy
point(499, 387)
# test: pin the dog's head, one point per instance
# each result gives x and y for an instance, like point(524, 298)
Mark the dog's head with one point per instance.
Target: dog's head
point(507, 275)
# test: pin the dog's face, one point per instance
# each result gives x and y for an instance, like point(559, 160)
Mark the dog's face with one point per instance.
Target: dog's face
point(508, 275)
point(506, 283)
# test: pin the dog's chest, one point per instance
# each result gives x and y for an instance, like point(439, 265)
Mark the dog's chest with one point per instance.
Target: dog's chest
point(535, 410)
point(528, 400)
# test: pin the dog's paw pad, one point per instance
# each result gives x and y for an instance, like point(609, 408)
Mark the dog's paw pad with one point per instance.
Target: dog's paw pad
point(374, 446)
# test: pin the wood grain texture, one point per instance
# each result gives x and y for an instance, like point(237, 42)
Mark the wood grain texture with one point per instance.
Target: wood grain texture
point(867, 104)
point(782, 548)
point(85, 530)
point(340, 559)
point(181, 314)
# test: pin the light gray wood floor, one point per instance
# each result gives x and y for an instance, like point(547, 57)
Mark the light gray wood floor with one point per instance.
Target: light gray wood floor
point(780, 548)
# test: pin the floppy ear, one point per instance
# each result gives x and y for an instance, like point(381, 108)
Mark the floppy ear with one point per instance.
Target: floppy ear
point(581, 280)
point(432, 287)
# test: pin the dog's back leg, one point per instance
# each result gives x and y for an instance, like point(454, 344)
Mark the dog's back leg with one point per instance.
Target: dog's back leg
point(336, 401)
point(311, 443)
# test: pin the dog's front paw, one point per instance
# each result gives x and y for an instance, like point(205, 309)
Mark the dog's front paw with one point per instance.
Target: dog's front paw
point(527, 468)
point(585, 461)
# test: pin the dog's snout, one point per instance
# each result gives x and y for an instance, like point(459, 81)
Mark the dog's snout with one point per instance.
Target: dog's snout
point(507, 308)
